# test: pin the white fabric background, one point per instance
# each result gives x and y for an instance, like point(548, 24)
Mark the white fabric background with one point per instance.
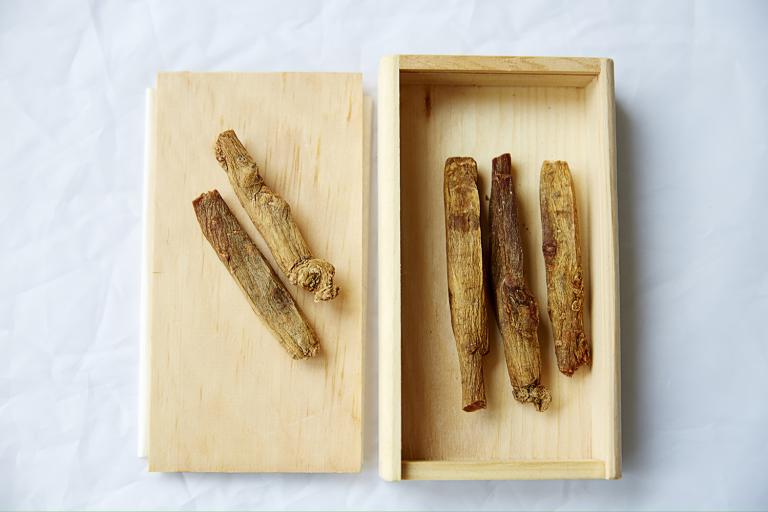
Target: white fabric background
point(692, 104)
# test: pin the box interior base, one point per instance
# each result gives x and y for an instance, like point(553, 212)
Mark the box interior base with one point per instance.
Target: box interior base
point(532, 123)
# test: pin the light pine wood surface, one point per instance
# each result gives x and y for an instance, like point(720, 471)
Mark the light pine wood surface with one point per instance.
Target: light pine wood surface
point(224, 396)
point(579, 436)
point(484, 64)
point(502, 470)
point(390, 378)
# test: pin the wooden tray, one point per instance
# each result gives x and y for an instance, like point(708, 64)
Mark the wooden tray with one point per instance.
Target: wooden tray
point(434, 107)
point(223, 394)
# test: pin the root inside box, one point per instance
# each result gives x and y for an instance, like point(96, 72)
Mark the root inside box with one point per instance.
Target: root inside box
point(484, 118)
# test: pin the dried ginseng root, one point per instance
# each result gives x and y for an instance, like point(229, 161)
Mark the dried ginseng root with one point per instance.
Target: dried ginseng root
point(466, 288)
point(266, 294)
point(272, 216)
point(562, 256)
point(516, 309)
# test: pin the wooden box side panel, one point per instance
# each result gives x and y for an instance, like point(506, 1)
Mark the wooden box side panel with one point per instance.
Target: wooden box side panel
point(490, 71)
point(495, 470)
point(500, 64)
point(389, 270)
point(604, 256)
point(224, 395)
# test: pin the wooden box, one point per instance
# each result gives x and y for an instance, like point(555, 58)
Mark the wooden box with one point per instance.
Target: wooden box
point(434, 107)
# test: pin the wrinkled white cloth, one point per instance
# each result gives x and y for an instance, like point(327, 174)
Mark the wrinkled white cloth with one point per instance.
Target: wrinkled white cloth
point(692, 126)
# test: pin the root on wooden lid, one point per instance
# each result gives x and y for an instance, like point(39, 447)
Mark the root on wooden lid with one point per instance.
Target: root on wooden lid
point(272, 216)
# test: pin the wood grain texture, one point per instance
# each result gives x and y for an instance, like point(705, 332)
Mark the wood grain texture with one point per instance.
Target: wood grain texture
point(224, 396)
point(500, 64)
point(516, 310)
point(562, 259)
point(388, 168)
point(466, 281)
point(503, 470)
point(271, 214)
point(269, 299)
point(427, 123)
point(498, 71)
point(470, 78)
point(604, 254)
